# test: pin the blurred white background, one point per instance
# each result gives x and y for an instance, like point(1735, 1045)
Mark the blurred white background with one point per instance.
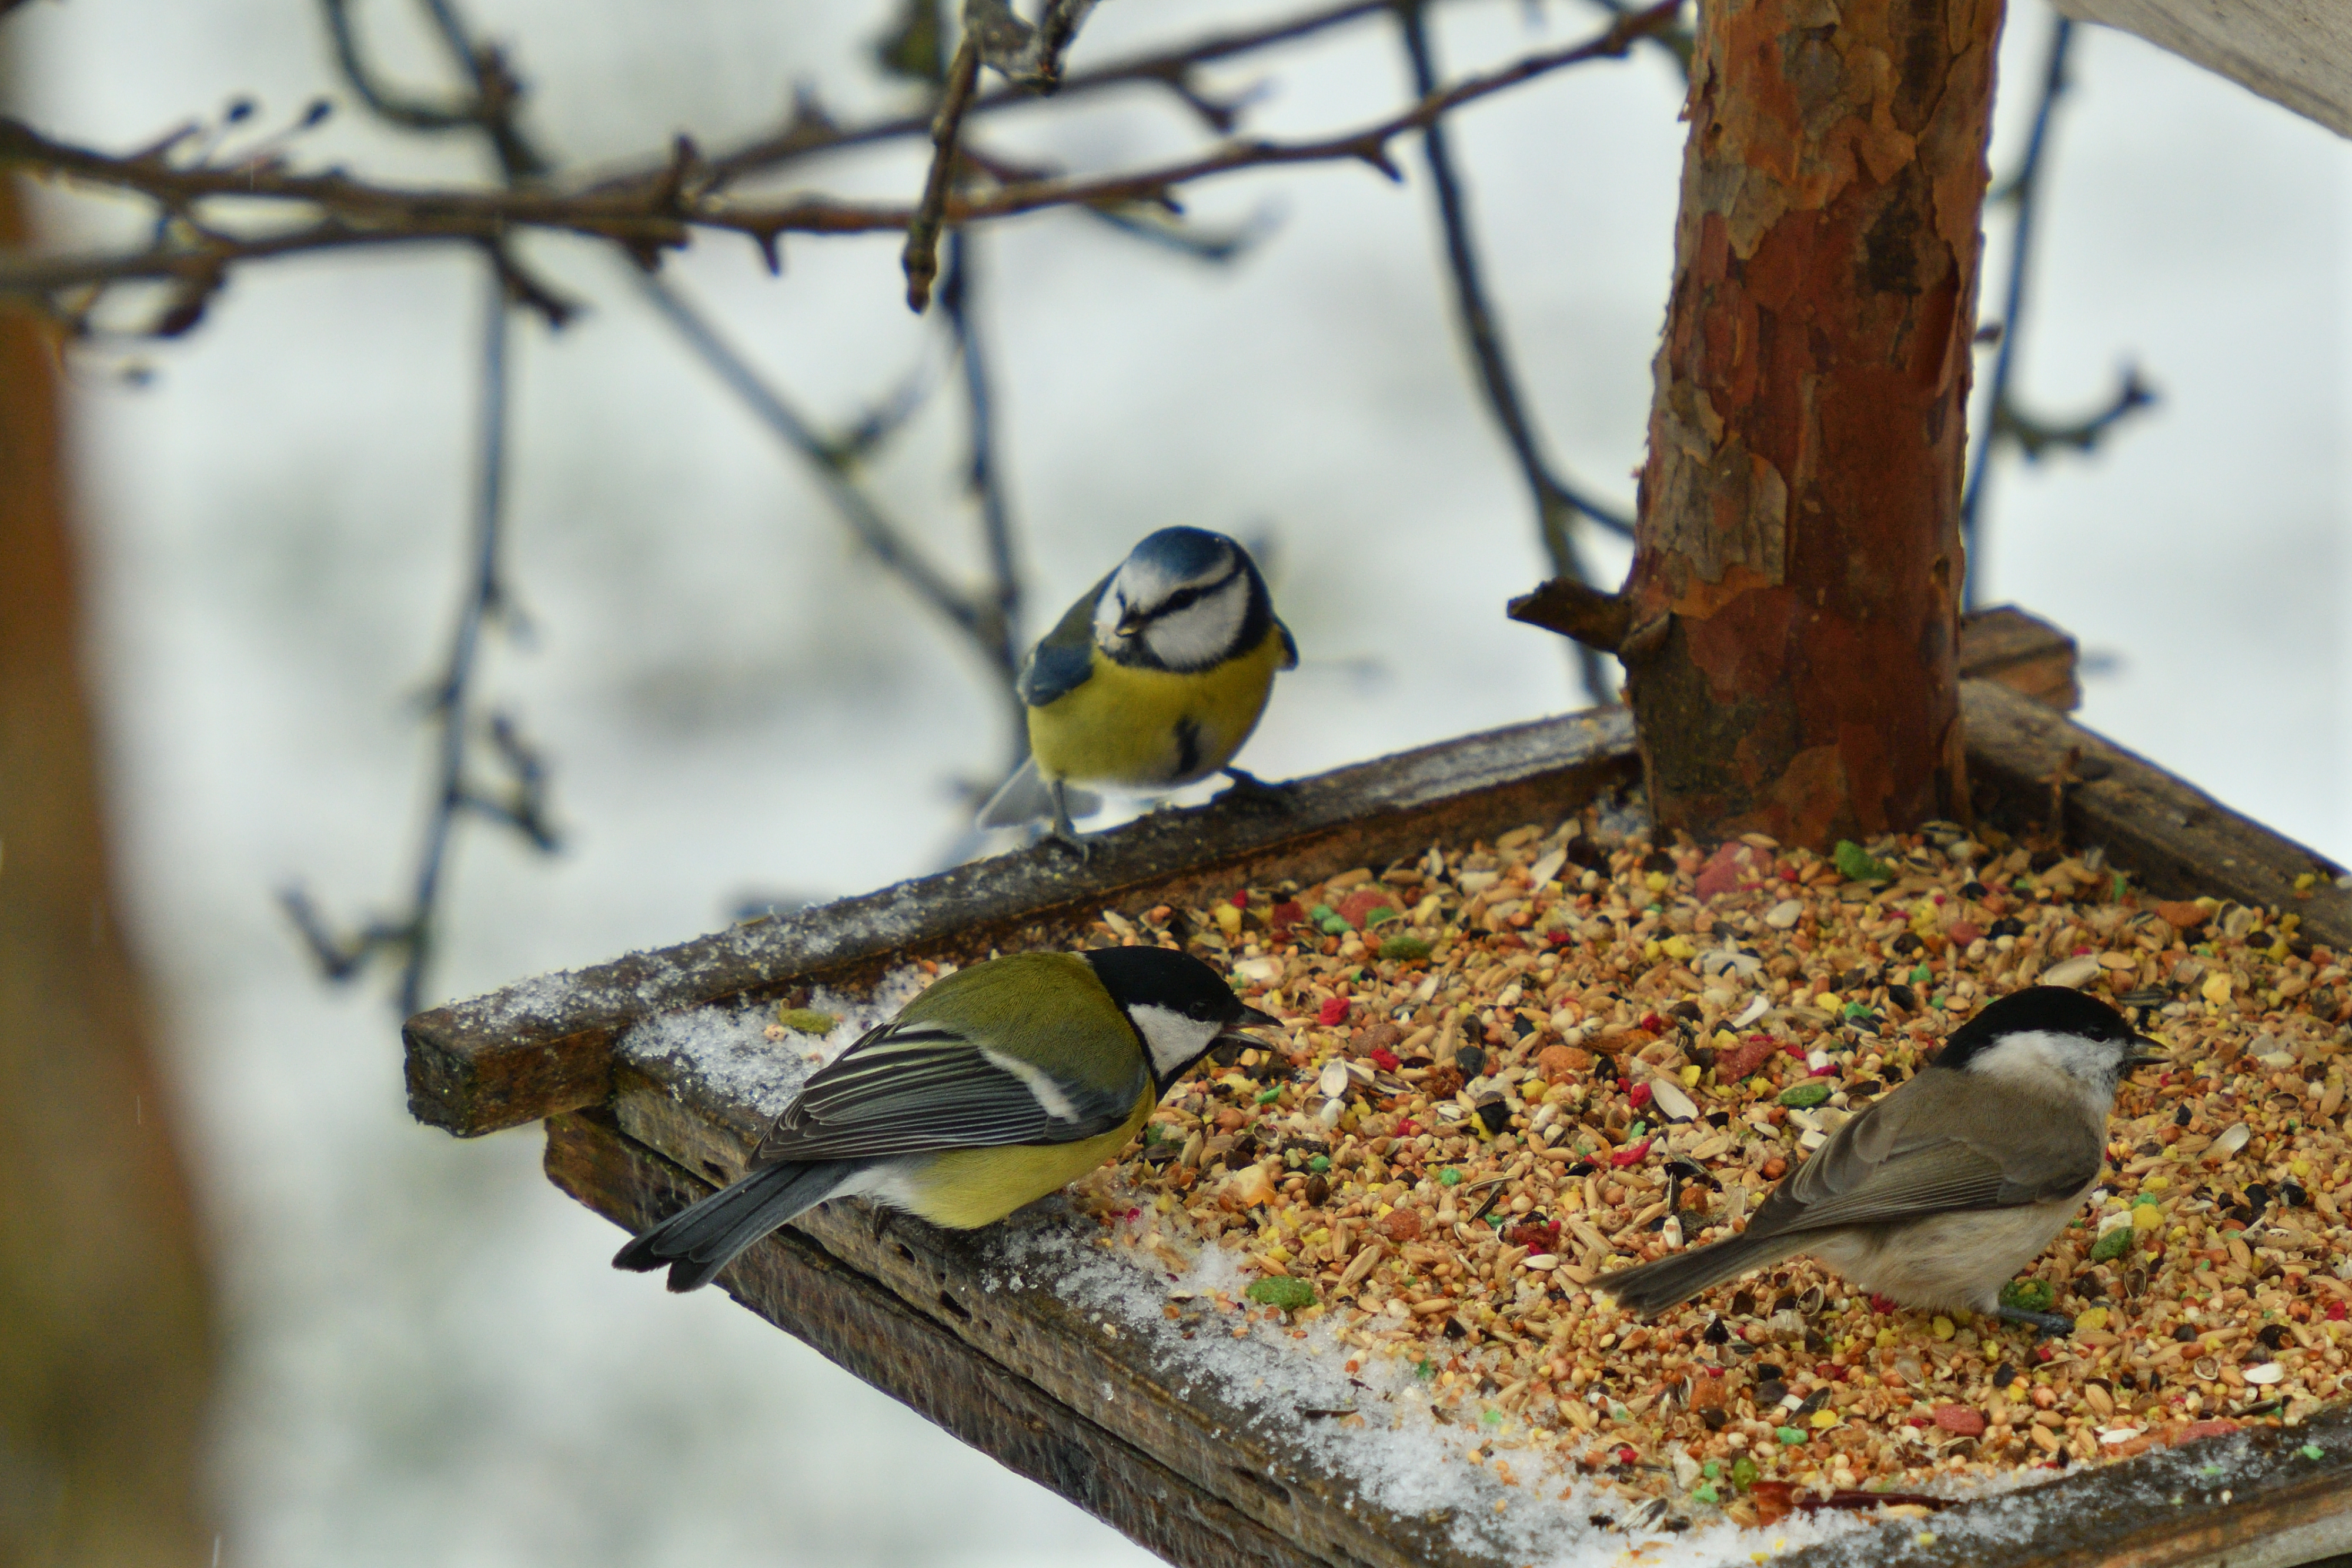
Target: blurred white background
point(428, 1360)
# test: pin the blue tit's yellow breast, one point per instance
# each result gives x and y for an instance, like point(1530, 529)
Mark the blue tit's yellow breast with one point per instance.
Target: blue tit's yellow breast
point(964, 1189)
point(1141, 728)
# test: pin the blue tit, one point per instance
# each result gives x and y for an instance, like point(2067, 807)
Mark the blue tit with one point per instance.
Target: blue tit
point(999, 1085)
point(1152, 681)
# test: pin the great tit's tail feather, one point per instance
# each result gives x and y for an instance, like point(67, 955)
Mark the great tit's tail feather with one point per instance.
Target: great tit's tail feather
point(1649, 1289)
point(696, 1242)
point(1026, 797)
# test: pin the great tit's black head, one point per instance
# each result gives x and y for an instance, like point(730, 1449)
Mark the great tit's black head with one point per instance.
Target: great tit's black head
point(2051, 1027)
point(1180, 1005)
point(1184, 598)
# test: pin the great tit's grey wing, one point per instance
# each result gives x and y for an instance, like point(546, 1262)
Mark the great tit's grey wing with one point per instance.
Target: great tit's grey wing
point(1289, 647)
point(1064, 660)
point(916, 1086)
point(1933, 1146)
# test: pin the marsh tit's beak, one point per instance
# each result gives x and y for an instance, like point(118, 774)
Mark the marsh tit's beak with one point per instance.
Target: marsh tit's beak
point(2155, 1053)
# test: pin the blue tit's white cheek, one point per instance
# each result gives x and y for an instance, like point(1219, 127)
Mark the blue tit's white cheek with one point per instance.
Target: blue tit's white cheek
point(1173, 1041)
point(1110, 611)
point(1205, 632)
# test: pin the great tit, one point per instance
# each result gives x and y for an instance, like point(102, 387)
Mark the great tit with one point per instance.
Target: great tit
point(1941, 1191)
point(1152, 680)
point(997, 1085)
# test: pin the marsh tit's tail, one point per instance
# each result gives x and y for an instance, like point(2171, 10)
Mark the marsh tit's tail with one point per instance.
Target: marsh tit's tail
point(1649, 1289)
point(695, 1243)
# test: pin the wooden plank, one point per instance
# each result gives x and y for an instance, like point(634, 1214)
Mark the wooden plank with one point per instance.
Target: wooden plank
point(2293, 52)
point(804, 1290)
point(2021, 652)
point(2250, 1500)
point(533, 1049)
point(2178, 839)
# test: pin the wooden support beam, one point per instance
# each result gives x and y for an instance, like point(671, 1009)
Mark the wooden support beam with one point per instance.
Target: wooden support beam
point(2021, 652)
point(860, 1326)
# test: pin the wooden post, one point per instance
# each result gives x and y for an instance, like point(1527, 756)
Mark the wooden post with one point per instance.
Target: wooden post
point(1789, 628)
point(105, 1321)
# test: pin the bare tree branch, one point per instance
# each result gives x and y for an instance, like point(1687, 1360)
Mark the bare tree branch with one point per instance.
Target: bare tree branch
point(810, 134)
point(654, 216)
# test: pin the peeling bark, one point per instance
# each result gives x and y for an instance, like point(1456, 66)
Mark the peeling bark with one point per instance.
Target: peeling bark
point(1795, 594)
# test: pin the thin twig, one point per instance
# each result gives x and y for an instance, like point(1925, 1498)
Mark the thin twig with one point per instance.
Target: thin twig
point(1557, 502)
point(921, 260)
point(521, 803)
point(985, 472)
point(660, 214)
point(451, 700)
point(880, 537)
point(524, 804)
point(2006, 419)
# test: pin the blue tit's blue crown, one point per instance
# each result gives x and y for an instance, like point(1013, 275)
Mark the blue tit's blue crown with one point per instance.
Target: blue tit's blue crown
point(1184, 554)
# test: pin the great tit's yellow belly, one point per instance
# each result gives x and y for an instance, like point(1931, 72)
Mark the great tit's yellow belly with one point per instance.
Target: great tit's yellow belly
point(964, 1189)
point(1139, 730)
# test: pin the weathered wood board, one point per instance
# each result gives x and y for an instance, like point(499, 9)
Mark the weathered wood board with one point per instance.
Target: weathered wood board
point(1212, 1472)
point(2293, 52)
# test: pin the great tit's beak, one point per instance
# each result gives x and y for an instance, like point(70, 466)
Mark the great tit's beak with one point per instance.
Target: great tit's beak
point(1248, 1017)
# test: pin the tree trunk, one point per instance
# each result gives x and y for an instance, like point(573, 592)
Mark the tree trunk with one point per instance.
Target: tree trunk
point(105, 1330)
point(1789, 624)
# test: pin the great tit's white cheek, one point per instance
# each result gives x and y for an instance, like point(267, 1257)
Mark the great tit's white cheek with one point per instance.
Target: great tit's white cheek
point(1173, 1039)
point(1205, 632)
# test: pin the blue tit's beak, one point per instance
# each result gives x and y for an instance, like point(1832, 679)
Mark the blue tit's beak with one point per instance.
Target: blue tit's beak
point(1130, 623)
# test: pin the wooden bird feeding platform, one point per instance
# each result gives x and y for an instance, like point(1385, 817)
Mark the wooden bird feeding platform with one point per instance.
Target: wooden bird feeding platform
point(991, 1335)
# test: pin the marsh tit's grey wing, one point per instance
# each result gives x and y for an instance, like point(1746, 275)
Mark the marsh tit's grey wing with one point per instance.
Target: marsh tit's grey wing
point(1937, 1145)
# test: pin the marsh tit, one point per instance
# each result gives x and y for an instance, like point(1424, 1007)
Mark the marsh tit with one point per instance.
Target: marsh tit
point(997, 1085)
point(1938, 1193)
point(1152, 680)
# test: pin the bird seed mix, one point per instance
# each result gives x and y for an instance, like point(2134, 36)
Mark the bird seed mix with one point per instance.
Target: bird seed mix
point(1507, 1071)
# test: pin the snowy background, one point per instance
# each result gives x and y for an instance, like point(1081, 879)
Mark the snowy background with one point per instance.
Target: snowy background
point(428, 1360)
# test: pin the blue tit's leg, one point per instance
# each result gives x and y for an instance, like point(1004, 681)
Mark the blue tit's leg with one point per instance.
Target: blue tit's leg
point(1249, 789)
point(1063, 829)
point(2051, 1325)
